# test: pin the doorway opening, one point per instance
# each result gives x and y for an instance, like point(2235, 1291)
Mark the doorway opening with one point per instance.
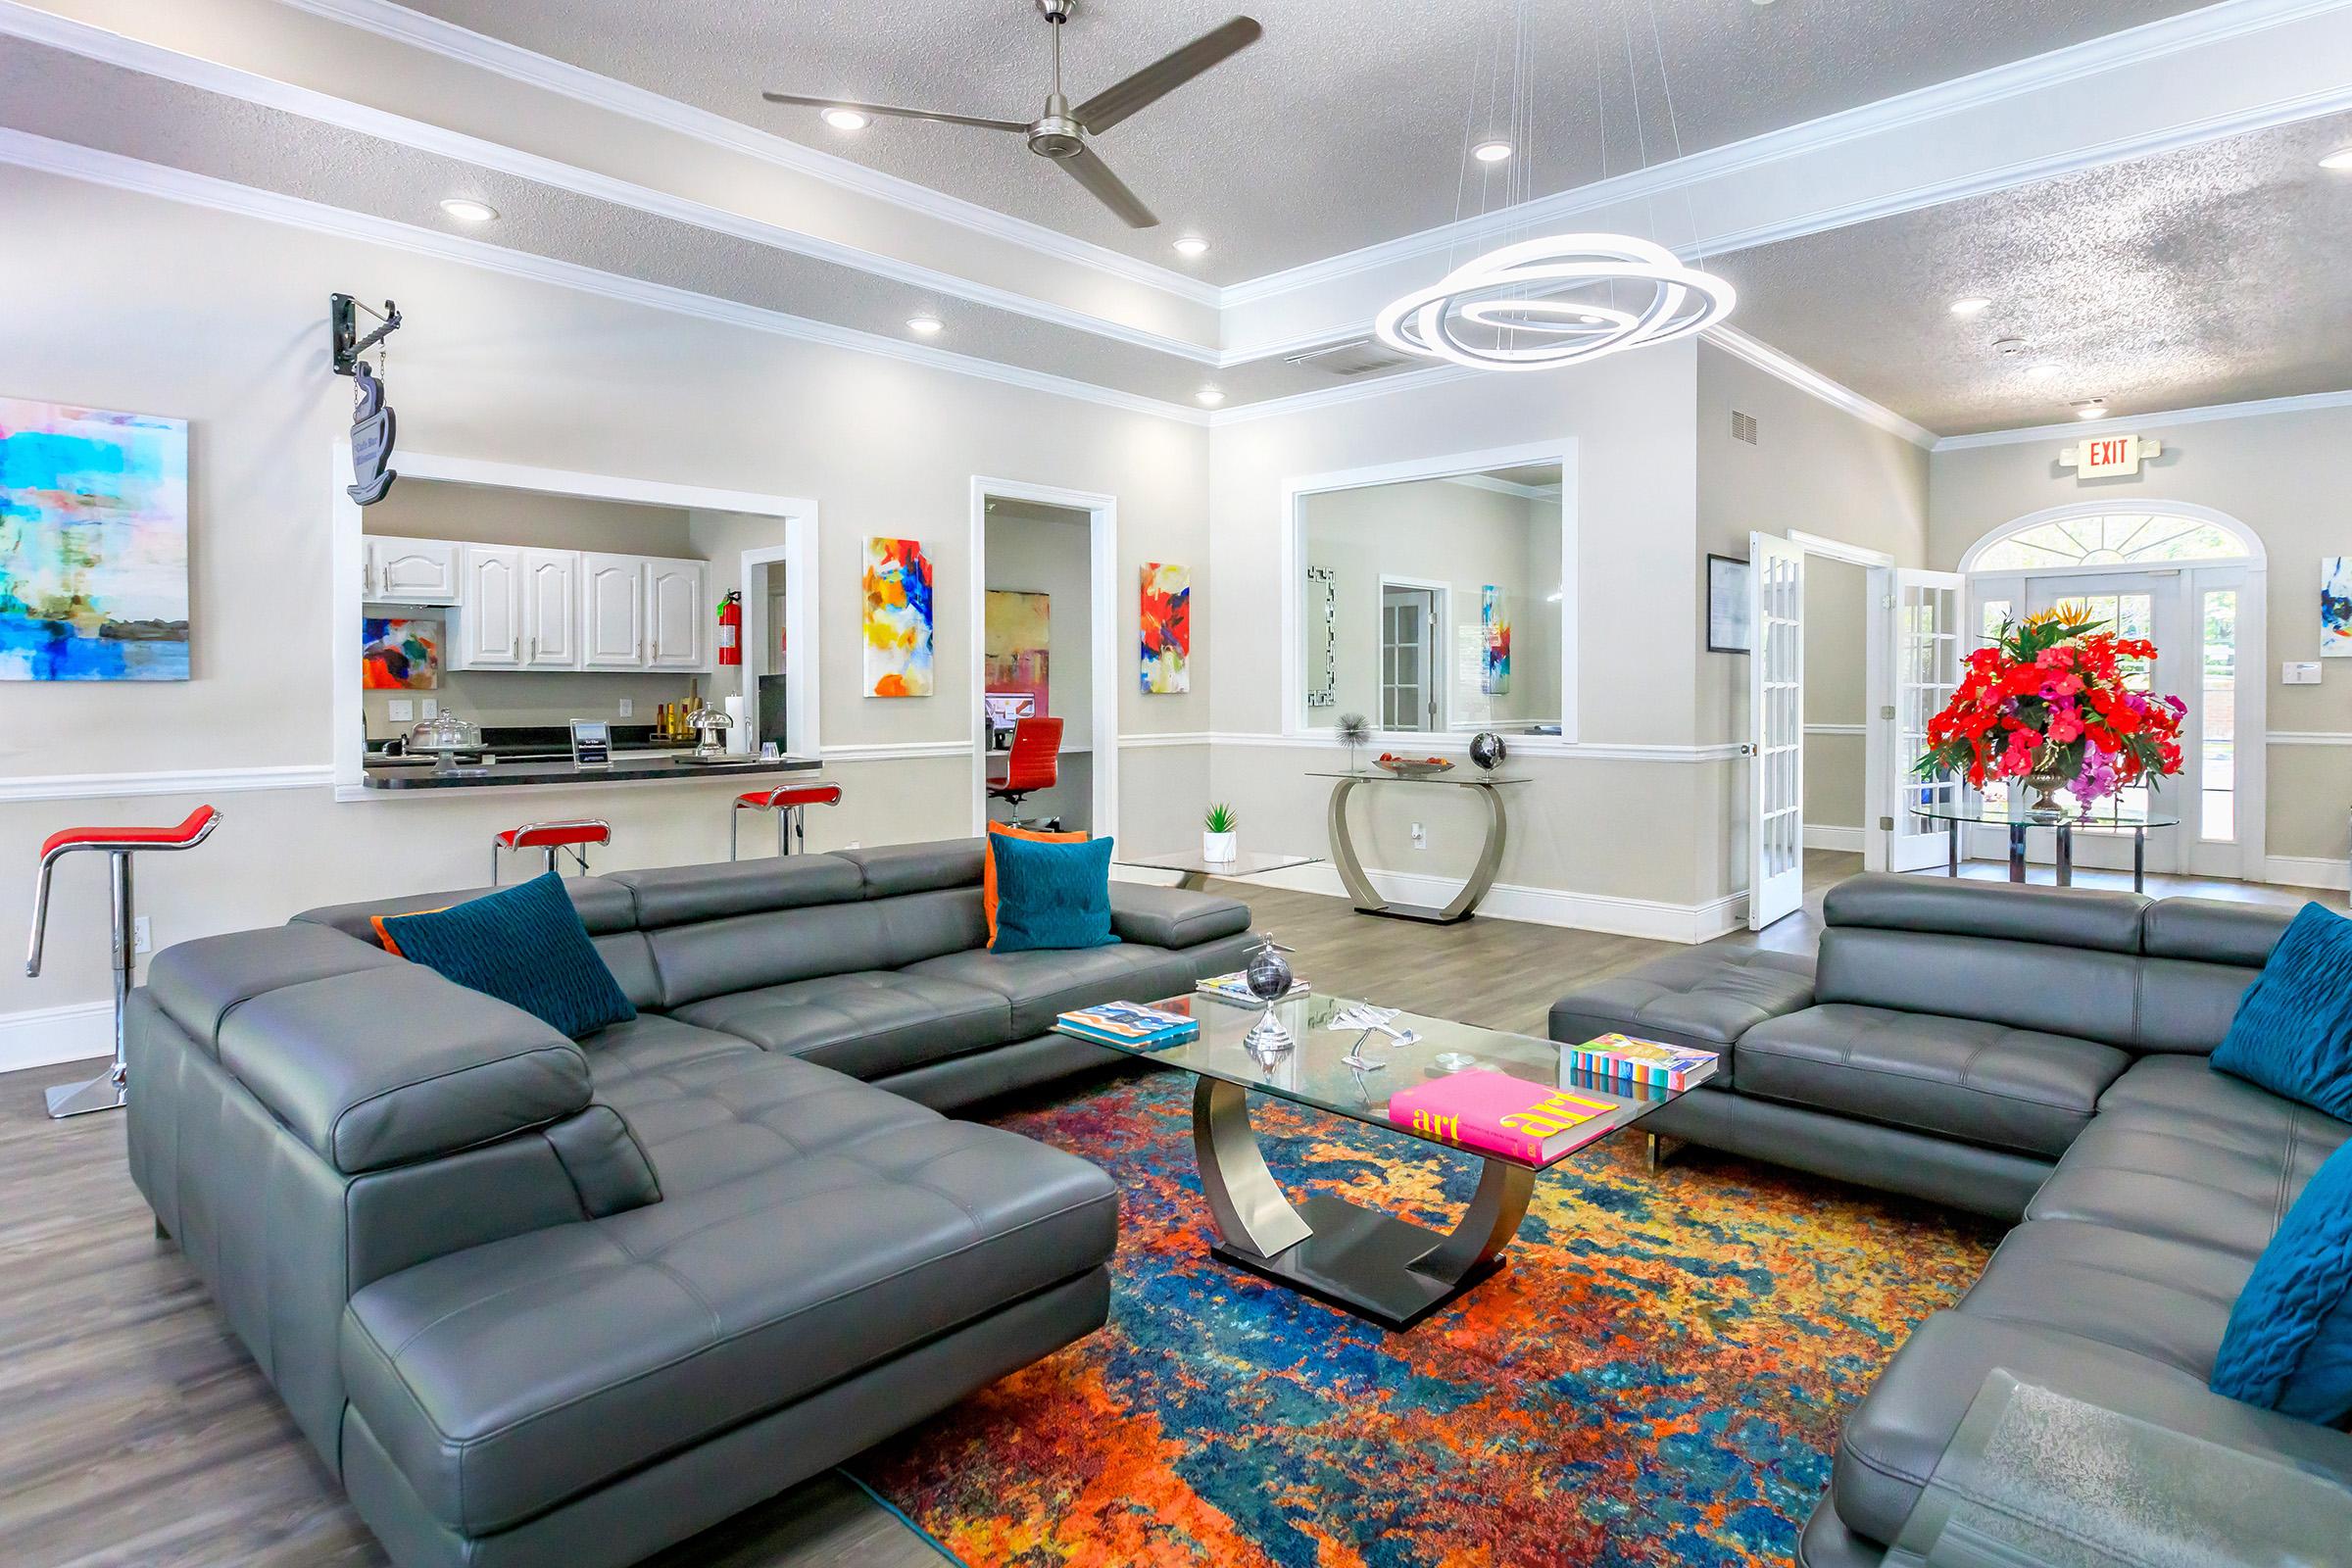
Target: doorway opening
point(1412, 644)
point(1044, 623)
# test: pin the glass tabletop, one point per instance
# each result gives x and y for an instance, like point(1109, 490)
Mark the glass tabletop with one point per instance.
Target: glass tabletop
point(1315, 1070)
point(1246, 862)
point(2016, 810)
point(1451, 775)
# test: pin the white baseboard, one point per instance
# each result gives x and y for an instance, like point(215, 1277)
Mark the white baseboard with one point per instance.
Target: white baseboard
point(46, 1036)
point(1821, 836)
point(1611, 914)
point(2300, 872)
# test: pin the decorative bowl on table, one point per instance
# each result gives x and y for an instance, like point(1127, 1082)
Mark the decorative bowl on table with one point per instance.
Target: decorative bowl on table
point(1411, 766)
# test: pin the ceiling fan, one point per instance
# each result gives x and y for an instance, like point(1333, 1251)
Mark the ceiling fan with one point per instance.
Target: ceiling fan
point(1060, 132)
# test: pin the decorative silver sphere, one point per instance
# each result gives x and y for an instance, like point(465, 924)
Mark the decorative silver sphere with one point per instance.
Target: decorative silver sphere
point(1487, 749)
point(1268, 978)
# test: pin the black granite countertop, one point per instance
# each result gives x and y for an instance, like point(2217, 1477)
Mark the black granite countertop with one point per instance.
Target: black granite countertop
point(655, 768)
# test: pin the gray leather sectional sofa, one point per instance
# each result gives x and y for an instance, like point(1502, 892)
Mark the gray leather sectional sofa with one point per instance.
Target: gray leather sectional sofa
point(2033, 1054)
point(545, 1304)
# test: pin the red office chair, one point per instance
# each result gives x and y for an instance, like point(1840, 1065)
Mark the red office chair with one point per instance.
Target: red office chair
point(1032, 764)
point(110, 1091)
point(571, 837)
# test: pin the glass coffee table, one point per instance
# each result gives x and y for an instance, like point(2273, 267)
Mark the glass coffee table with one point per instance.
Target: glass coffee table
point(1372, 1264)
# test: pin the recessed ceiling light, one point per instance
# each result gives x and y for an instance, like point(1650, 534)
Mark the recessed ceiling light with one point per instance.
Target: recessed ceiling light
point(2095, 408)
point(2338, 161)
point(2011, 346)
point(1490, 152)
point(1971, 306)
point(1210, 396)
point(846, 120)
point(1191, 245)
point(2046, 369)
point(923, 325)
point(466, 210)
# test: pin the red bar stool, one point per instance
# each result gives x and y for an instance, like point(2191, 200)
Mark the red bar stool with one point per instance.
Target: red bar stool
point(572, 838)
point(112, 1090)
point(789, 802)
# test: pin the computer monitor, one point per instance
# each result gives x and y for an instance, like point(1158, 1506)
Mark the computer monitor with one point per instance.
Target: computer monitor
point(999, 710)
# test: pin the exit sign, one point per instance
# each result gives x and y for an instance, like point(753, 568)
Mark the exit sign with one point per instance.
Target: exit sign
point(2107, 457)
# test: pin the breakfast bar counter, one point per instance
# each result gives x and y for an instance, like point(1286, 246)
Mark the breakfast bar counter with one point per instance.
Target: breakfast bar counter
point(627, 769)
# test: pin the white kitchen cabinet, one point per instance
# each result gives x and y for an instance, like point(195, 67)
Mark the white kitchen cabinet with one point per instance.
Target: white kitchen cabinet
point(550, 620)
point(680, 628)
point(613, 610)
point(413, 571)
point(490, 614)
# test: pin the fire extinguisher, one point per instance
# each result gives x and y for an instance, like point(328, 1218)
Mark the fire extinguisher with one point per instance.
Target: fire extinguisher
point(730, 629)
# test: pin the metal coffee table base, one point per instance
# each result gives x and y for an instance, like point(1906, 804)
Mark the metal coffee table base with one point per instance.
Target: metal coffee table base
point(1375, 1265)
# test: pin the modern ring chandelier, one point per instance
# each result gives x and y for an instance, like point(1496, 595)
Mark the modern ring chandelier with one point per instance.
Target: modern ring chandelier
point(1540, 304)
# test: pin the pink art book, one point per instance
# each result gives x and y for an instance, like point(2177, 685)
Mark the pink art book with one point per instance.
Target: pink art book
point(1493, 1114)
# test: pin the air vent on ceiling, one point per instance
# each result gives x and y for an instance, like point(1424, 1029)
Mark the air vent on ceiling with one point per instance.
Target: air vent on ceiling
point(1744, 428)
point(1361, 357)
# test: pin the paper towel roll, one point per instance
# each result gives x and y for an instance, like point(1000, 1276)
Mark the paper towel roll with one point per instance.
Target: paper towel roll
point(739, 732)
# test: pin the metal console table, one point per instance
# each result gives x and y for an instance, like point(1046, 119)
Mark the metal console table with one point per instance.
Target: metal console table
point(1367, 898)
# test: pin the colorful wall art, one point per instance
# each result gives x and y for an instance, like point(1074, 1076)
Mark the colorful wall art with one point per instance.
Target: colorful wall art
point(1167, 637)
point(1015, 645)
point(93, 544)
point(2335, 607)
point(898, 618)
point(1494, 628)
point(399, 655)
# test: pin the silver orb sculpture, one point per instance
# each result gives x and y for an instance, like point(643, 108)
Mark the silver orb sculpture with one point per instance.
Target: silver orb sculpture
point(1487, 751)
point(1268, 977)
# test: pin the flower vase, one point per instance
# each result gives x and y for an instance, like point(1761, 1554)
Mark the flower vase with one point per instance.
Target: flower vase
point(2045, 787)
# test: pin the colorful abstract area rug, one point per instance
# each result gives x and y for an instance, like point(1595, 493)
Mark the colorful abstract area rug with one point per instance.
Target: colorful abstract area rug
point(1654, 1378)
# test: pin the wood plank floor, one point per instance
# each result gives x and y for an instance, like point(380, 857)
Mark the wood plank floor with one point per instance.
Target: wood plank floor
point(133, 1430)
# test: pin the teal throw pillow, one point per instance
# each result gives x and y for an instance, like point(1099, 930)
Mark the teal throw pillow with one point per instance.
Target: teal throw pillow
point(2294, 1031)
point(1051, 895)
point(522, 945)
point(2289, 1346)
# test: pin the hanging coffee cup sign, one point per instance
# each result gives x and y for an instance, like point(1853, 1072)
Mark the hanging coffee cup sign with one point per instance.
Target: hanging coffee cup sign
point(373, 425)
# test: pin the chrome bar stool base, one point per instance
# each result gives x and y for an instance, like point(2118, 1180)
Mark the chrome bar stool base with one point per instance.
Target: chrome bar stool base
point(106, 1092)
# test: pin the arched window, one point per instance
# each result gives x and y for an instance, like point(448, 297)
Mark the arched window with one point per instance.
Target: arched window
point(2107, 539)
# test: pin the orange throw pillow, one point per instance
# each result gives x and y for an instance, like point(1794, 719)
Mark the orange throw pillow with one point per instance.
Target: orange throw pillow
point(988, 865)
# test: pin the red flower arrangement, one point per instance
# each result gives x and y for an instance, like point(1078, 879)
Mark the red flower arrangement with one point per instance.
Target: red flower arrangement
point(2047, 704)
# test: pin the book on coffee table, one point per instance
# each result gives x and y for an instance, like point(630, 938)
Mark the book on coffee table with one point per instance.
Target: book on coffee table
point(1646, 1061)
point(1493, 1114)
point(1131, 1024)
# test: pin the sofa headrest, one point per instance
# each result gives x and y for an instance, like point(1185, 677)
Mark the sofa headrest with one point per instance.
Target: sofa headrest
point(604, 904)
point(2070, 917)
point(680, 895)
point(891, 869)
point(2212, 931)
point(199, 983)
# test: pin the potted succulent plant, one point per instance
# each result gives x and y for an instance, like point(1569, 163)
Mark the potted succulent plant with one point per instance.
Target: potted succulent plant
point(1218, 839)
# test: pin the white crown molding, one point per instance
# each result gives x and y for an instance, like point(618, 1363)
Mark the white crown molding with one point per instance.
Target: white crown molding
point(164, 781)
point(451, 41)
point(2074, 429)
point(114, 49)
point(2058, 69)
point(90, 165)
point(1773, 362)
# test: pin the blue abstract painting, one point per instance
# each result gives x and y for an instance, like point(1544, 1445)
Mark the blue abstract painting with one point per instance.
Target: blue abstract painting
point(93, 544)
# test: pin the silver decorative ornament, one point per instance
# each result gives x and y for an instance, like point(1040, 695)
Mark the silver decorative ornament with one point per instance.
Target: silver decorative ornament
point(1487, 749)
point(1269, 979)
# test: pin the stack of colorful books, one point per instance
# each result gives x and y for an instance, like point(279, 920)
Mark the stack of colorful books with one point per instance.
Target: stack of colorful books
point(1235, 987)
point(1130, 1025)
point(1644, 1061)
point(1495, 1114)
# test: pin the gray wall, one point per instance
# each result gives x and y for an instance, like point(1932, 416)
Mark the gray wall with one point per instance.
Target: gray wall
point(1835, 677)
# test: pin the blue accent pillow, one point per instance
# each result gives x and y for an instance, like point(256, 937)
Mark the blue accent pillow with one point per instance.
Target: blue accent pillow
point(523, 945)
point(1051, 895)
point(2294, 1031)
point(2289, 1346)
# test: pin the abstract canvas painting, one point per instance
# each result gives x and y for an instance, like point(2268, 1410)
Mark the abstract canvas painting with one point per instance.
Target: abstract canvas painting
point(399, 655)
point(1167, 637)
point(898, 618)
point(93, 544)
point(2335, 607)
point(1494, 628)
point(1015, 645)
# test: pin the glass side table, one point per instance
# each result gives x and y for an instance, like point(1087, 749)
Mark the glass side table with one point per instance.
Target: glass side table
point(1194, 869)
point(2017, 817)
point(2037, 1479)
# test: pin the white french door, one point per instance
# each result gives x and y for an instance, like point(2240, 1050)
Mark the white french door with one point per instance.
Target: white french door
point(1411, 630)
point(1924, 641)
point(1776, 708)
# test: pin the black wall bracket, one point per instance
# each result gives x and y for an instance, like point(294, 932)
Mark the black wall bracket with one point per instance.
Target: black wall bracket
point(343, 326)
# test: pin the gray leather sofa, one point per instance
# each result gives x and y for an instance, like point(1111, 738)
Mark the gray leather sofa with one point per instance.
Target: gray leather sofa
point(2034, 1055)
point(541, 1302)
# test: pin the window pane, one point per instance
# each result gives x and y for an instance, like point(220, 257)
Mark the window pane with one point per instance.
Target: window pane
point(2217, 716)
point(2111, 540)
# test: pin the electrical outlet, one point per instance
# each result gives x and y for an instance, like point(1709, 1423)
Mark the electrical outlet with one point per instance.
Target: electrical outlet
point(142, 938)
point(401, 709)
point(628, 707)
point(853, 844)
point(1420, 837)
point(432, 709)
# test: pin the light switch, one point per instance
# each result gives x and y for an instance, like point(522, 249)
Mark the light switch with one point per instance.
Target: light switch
point(432, 709)
point(628, 707)
point(2299, 672)
point(401, 709)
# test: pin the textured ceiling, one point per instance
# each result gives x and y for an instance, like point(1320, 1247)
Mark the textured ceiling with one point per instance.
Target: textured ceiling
point(2218, 274)
point(1344, 126)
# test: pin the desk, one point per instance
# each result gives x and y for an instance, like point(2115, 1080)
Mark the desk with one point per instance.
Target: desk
point(1489, 788)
